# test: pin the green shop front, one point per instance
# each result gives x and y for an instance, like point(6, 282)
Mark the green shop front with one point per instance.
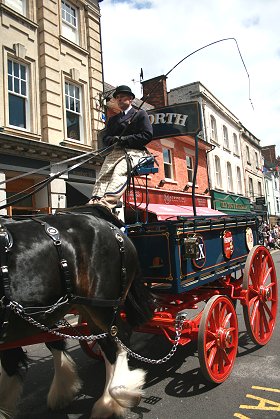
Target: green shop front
point(230, 204)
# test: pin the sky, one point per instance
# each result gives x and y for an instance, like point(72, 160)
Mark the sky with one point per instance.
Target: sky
point(156, 34)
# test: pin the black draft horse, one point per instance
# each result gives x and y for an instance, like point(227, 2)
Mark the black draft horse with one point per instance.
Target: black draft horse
point(98, 255)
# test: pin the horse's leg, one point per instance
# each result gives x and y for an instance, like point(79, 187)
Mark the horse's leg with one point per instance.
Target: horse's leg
point(126, 385)
point(123, 387)
point(10, 380)
point(66, 383)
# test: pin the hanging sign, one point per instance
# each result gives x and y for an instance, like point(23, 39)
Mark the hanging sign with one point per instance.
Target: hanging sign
point(227, 244)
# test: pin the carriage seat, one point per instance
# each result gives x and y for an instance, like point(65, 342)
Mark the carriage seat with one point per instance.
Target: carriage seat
point(145, 166)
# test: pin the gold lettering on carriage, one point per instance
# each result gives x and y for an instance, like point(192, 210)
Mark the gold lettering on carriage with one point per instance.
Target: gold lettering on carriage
point(168, 118)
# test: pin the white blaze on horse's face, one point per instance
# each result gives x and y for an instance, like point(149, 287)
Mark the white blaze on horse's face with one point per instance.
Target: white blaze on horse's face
point(124, 101)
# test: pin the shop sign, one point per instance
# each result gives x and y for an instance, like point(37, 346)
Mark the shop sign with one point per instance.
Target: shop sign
point(234, 206)
point(249, 238)
point(176, 120)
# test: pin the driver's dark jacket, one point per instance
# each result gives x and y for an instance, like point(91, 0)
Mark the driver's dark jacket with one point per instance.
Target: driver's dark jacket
point(134, 128)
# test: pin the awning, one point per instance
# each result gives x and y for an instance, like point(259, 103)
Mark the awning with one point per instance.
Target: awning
point(171, 212)
point(84, 188)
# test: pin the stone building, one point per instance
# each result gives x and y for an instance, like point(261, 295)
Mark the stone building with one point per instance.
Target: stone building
point(51, 108)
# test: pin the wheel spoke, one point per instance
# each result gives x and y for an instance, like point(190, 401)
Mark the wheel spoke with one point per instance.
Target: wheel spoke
point(216, 316)
point(254, 312)
point(226, 319)
point(266, 275)
point(212, 356)
point(210, 344)
point(252, 301)
point(221, 362)
point(267, 309)
point(263, 319)
point(226, 358)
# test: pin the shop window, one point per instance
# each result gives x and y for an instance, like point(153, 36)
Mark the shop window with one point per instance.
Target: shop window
point(69, 16)
point(225, 135)
point(229, 177)
point(18, 94)
point(73, 111)
point(17, 5)
point(167, 163)
point(218, 172)
point(189, 162)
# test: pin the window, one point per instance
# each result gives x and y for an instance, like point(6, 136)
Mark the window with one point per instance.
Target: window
point(167, 163)
point(189, 162)
point(229, 177)
point(248, 155)
point(259, 189)
point(18, 97)
point(239, 183)
point(235, 145)
point(251, 188)
point(277, 205)
point(225, 135)
point(69, 22)
point(17, 5)
point(257, 160)
point(214, 136)
point(73, 111)
point(218, 176)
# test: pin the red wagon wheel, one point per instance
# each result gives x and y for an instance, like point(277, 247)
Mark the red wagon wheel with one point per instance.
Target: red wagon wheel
point(260, 281)
point(218, 339)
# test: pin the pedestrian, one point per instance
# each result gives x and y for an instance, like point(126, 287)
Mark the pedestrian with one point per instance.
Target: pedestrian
point(126, 136)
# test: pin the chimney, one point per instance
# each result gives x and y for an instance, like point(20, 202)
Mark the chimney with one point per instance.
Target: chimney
point(269, 153)
point(155, 91)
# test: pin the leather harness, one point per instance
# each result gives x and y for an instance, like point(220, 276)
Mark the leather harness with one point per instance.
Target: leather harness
point(6, 243)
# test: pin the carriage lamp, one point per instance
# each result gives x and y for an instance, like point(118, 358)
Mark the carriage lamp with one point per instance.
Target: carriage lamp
point(190, 247)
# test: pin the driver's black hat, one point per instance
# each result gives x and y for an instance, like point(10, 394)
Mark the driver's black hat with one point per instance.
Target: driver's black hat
point(123, 89)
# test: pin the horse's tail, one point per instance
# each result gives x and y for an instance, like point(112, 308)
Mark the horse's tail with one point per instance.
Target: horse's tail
point(139, 304)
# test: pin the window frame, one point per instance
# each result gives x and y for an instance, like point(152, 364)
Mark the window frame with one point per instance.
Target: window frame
point(25, 97)
point(251, 189)
point(79, 100)
point(248, 154)
point(218, 172)
point(74, 29)
point(229, 177)
point(235, 144)
point(225, 138)
point(21, 11)
point(190, 168)
point(214, 132)
point(239, 180)
point(168, 164)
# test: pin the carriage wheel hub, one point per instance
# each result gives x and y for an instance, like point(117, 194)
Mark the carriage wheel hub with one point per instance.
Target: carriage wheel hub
point(265, 293)
point(224, 338)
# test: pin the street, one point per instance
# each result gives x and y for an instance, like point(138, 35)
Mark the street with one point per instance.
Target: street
point(176, 389)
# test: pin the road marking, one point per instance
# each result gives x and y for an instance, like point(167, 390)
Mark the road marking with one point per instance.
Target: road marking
point(275, 390)
point(239, 415)
point(262, 404)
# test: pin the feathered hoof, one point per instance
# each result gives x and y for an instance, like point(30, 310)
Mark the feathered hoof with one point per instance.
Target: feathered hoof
point(105, 408)
point(125, 397)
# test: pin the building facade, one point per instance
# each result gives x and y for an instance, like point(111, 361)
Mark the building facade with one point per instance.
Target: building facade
point(228, 170)
point(51, 108)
